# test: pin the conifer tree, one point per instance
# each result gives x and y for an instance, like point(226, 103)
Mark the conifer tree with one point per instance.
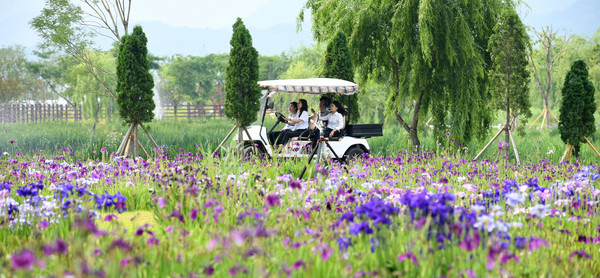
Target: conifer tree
point(242, 92)
point(577, 107)
point(338, 64)
point(134, 81)
point(134, 89)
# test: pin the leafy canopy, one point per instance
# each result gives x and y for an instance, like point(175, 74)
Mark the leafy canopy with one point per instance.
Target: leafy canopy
point(242, 92)
point(432, 55)
point(509, 76)
point(134, 81)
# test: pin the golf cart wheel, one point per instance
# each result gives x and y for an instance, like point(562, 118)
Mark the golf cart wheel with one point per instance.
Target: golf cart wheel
point(250, 152)
point(354, 153)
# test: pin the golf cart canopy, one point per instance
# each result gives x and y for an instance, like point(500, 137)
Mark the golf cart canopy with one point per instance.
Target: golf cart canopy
point(314, 86)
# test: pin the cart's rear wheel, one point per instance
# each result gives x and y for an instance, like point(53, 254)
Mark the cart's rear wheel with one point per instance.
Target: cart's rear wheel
point(252, 151)
point(354, 153)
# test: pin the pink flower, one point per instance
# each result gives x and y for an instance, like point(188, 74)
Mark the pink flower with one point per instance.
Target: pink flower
point(408, 255)
point(125, 261)
point(324, 250)
point(161, 202)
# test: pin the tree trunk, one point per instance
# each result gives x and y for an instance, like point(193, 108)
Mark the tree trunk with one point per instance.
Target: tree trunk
point(240, 141)
point(546, 108)
point(506, 128)
point(96, 117)
point(414, 138)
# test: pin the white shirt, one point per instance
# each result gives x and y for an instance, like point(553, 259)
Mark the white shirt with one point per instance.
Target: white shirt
point(304, 123)
point(335, 120)
point(292, 127)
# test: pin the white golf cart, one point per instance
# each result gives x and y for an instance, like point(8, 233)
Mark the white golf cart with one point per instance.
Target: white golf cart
point(351, 143)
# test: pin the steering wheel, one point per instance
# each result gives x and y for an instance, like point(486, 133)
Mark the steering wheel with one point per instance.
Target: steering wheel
point(280, 117)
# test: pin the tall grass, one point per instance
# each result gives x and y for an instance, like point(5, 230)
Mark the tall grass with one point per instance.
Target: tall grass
point(53, 137)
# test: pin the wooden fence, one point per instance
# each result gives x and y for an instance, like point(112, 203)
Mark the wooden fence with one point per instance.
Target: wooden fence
point(191, 111)
point(29, 113)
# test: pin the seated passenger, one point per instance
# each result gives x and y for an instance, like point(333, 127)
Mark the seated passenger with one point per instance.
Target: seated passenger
point(300, 123)
point(335, 120)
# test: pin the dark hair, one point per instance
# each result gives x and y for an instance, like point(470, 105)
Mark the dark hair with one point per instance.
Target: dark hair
point(295, 104)
point(304, 105)
point(340, 108)
point(326, 100)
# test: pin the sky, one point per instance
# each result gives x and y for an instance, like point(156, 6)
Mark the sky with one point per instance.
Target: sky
point(271, 22)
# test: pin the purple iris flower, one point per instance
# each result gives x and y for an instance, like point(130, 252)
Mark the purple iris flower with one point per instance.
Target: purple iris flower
point(357, 228)
point(273, 200)
point(344, 243)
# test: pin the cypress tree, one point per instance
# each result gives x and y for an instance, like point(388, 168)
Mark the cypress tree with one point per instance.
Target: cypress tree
point(134, 81)
point(577, 107)
point(242, 92)
point(338, 64)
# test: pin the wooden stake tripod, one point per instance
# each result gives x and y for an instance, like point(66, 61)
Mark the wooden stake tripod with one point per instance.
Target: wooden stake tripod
point(546, 113)
point(240, 128)
point(505, 128)
point(567, 153)
point(129, 145)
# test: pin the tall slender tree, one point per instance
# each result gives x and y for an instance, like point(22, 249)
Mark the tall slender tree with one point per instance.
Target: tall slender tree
point(242, 92)
point(432, 56)
point(509, 77)
point(577, 107)
point(552, 48)
point(338, 64)
point(134, 84)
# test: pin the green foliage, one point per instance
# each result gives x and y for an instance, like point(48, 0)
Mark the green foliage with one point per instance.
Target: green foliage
point(242, 92)
point(578, 107)
point(13, 72)
point(58, 26)
point(431, 55)
point(509, 76)
point(338, 64)
point(134, 81)
point(272, 67)
point(180, 80)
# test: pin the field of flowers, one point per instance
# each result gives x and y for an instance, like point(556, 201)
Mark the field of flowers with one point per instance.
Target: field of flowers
point(191, 214)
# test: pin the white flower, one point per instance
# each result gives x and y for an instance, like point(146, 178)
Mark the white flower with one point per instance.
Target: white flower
point(539, 210)
point(514, 198)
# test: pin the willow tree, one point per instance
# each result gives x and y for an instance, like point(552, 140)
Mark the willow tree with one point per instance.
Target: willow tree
point(338, 64)
point(509, 77)
point(432, 56)
point(577, 108)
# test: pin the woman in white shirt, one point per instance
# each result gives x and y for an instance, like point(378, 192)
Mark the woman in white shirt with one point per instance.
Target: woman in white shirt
point(300, 123)
point(276, 137)
point(335, 120)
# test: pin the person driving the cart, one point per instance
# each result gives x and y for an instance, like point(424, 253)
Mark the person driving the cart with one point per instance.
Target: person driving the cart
point(276, 137)
point(300, 122)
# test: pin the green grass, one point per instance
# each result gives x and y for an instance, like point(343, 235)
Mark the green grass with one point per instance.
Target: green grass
point(52, 137)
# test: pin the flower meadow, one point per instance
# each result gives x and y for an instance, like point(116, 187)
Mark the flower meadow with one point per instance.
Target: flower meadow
point(416, 214)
